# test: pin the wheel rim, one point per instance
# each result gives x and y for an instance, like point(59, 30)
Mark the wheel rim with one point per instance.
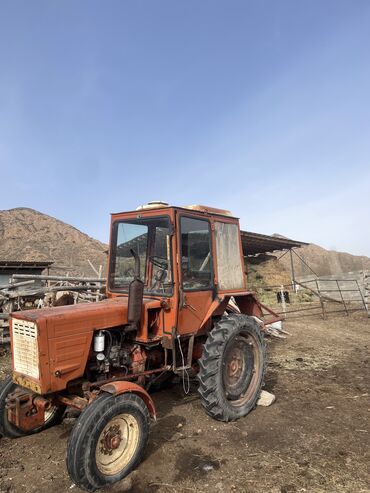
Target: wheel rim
point(241, 369)
point(117, 444)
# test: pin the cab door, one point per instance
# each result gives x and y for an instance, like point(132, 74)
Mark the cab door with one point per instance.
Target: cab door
point(196, 272)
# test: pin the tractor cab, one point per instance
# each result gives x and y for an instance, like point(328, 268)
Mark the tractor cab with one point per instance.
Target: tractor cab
point(191, 257)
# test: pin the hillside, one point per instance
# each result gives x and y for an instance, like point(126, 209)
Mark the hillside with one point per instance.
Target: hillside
point(325, 262)
point(270, 269)
point(27, 235)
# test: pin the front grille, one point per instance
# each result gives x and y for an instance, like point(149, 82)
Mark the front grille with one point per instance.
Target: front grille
point(25, 348)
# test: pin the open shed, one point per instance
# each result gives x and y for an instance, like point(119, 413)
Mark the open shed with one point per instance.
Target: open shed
point(255, 243)
point(10, 267)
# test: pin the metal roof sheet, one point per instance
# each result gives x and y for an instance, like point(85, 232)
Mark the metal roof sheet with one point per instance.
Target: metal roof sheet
point(254, 243)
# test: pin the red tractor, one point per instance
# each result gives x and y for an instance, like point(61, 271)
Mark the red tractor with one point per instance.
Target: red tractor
point(177, 303)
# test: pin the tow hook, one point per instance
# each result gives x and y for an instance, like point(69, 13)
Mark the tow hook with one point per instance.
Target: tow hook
point(26, 410)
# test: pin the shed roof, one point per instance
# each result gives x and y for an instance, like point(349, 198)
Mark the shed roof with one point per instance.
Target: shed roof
point(20, 264)
point(254, 243)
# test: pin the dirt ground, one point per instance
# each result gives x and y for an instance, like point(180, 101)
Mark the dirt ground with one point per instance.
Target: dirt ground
point(314, 438)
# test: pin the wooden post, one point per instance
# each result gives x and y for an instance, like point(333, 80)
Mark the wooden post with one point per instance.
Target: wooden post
point(282, 298)
point(99, 275)
point(59, 278)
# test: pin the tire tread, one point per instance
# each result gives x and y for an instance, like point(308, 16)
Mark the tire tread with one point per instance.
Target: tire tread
point(210, 365)
point(79, 465)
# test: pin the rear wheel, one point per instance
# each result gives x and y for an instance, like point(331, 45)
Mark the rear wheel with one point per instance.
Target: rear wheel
point(108, 440)
point(53, 415)
point(232, 368)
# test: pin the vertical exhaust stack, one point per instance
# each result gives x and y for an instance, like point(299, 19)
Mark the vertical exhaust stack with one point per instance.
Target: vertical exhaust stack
point(135, 295)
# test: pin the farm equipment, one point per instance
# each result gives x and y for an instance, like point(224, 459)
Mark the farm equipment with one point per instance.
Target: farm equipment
point(177, 304)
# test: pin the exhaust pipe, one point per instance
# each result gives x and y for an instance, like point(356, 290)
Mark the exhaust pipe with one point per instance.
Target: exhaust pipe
point(135, 295)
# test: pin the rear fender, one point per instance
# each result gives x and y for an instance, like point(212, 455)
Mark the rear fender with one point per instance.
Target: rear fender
point(246, 303)
point(249, 305)
point(121, 387)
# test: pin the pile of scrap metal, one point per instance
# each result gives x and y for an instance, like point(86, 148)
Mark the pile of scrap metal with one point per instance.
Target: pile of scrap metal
point(27, 291)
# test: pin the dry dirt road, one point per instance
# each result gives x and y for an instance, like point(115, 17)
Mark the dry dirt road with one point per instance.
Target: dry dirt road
point(315, 438)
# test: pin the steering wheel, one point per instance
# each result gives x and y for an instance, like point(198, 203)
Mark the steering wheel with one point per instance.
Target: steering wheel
point(160, 262)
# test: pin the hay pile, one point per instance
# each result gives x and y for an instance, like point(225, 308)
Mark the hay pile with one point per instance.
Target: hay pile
point(266, 270)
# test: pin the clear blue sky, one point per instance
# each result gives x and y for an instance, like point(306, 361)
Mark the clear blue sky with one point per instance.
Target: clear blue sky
point(261, 107)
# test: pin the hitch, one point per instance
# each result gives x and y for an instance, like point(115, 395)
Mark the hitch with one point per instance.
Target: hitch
point(26, 410)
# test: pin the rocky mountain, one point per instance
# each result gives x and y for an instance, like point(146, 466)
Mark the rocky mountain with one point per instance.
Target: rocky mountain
point(28, 235)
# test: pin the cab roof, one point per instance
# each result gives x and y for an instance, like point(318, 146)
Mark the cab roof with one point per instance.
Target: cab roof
point(158, 205)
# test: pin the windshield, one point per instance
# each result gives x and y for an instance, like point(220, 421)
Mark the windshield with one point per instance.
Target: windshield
point(150, 239)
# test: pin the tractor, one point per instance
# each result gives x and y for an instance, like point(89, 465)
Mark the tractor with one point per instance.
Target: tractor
point(177, 304)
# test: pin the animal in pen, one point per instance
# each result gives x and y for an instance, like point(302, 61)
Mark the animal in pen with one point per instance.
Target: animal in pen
point(177, 304)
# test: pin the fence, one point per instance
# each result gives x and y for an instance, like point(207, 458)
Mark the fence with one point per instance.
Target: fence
point(319, 296)
point(27, 291)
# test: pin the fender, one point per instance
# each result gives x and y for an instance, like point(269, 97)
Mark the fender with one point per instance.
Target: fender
point(122, 386)
point(249, 305)
point(245, 302)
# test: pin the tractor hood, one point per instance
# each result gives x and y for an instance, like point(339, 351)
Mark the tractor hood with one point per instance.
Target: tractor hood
point(80, 318)
point(83, 317)
point(51, 346)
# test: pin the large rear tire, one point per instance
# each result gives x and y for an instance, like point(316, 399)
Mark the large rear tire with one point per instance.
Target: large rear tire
point(108, 440)
point(232, 368)
point(53, 416)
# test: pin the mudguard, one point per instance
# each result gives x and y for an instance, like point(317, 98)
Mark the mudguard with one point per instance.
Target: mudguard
point(122, 386)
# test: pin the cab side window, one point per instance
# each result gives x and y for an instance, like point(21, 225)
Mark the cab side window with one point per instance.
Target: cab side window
point(196, 258)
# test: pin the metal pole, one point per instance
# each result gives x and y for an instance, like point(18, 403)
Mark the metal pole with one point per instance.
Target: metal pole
point(363, 299)
point(281, 256)
point(292, 270)
point(305, 263)
point(341, 295)
point(321, 300)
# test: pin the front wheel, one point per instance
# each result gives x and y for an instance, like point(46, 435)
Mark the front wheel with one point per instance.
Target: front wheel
point(232, 368)
point(108, 440)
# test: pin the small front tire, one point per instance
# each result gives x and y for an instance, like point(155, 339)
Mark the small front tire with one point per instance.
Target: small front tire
point(108, 440)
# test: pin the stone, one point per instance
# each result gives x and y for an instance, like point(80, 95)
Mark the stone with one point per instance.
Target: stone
point(266, 399)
